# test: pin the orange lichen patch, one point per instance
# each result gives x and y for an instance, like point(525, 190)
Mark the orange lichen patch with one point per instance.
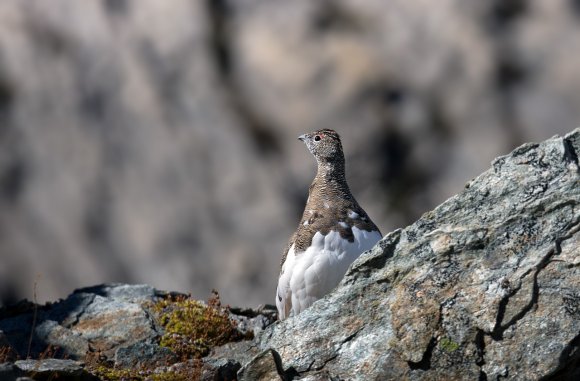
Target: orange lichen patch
point(104, 331)
point(106, 322)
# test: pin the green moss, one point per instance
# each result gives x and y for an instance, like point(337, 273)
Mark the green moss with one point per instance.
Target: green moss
point(112, 374)
point(192, 328)
point(448, 345)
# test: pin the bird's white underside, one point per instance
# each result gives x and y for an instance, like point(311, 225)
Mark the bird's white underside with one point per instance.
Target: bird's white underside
point(309, 275)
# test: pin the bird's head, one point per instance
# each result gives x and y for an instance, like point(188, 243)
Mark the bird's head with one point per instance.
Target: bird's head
point(324, 145)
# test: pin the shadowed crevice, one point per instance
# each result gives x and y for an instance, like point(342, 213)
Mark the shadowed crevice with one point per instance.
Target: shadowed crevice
point(480, 345)
point(425, 362)
point(570, 154)
point(568, 363)
point(499, 329)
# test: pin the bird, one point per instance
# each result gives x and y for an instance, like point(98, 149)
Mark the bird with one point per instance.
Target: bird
point(333, 232)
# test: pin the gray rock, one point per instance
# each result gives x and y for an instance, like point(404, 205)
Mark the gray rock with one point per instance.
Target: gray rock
point(101, 318)
point(143, 355)
point(74, 344)
point(9, 372)
point(112, 324)
point(241, 352)
point(266, 366)
point(133, 293)
point(109, 323)
point(49, 369)
point(70, 367)
point(253, 321)
point(485, 286)
point(219, 369)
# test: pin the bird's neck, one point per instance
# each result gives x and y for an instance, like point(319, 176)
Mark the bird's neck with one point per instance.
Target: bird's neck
point(330, 178)
point(331, 170)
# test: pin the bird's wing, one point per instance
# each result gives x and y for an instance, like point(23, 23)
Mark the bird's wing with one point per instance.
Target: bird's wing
point(286, 252)
point(283, 291)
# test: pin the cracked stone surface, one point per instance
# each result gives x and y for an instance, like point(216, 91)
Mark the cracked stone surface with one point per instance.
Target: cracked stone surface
point(485, 286)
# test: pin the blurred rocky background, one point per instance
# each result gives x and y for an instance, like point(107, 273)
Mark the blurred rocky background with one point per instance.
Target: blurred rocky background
point(152, 141)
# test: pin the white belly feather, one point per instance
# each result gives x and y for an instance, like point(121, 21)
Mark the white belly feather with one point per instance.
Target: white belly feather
point(309, 275)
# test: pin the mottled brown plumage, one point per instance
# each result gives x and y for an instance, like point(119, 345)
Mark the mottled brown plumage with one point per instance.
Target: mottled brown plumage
point(330, 205)
point(333, 232)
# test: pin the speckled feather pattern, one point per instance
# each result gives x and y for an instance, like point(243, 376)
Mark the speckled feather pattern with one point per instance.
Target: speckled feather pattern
point(333, 232)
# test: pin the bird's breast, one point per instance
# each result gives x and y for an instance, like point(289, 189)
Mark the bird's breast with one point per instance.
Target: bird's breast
point(334, 244)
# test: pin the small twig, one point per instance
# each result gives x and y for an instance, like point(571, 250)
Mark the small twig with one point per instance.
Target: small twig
point(35, 312)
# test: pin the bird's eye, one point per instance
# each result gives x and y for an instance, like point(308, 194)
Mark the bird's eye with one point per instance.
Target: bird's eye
point(316, 138)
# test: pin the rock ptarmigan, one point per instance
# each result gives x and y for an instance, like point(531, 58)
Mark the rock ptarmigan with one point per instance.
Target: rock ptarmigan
point(333, 232)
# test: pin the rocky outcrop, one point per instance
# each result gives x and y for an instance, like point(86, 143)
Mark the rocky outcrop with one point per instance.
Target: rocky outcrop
point(486, 286)
point(135, 133)
point(114, 331)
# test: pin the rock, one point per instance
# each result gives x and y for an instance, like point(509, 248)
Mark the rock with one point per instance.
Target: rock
point(241, 352)
point(49, 369)
point(88, 319)
point(123, 292)
point(116, 329)
point(253, 321)
point(219, 369)
point(9, 372)
point(264, 367)
point(70, 367)
point(485, 286)
point(143, 355)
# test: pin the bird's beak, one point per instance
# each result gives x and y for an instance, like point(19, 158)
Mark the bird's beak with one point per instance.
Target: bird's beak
point(302, 137)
